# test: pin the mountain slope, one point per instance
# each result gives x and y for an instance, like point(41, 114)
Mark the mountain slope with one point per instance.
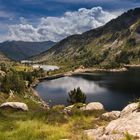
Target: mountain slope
point(19, 50)
point(3, 58)
point(115, 43)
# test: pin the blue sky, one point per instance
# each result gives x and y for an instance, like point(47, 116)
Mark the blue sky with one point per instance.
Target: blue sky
point(29, 15)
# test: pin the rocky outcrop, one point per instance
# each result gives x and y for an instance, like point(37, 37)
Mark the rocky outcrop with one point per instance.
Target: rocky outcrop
point(93, 106)
point(129, 109)
point(130, 124)
point(113, 115)
point(95, 133)
point(15, 105)
point(127, 123)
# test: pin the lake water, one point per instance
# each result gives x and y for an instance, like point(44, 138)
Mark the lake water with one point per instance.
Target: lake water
point(113, 90)
point(46, 67)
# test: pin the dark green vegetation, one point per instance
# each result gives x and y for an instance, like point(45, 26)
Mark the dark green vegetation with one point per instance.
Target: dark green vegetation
point(109, 46)
point(18, 50)
point(76, 96)
point(16, 80)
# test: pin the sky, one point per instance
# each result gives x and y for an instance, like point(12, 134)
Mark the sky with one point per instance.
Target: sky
point(43, 20)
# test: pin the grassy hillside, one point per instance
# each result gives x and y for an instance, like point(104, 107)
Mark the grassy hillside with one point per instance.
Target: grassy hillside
point(19, 50)
point(39, 122)
point(3, 58)
point(116, 43)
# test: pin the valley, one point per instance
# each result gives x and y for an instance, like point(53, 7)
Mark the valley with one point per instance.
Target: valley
point(83, 87)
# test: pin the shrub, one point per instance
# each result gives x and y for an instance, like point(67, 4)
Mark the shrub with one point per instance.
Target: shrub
point(131, 42)
point(13, 81)
point(76, 96)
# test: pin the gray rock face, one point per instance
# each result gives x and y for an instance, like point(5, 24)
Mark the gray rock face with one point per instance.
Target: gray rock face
point(15, 105)
point(128, 122)
point(113, 115)
point(93, 106)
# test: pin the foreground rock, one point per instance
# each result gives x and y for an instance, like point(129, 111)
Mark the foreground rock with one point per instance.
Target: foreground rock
point(93, 106)
point(95, 133)
point(15, 105)
point(127, 123)
point(113, 115)
point(129, 109)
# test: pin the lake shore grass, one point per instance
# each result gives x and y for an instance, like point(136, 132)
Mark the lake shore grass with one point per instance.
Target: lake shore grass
point(46, 124)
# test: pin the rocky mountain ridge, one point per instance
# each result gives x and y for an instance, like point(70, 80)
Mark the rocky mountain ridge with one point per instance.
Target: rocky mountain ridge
point(116, 43)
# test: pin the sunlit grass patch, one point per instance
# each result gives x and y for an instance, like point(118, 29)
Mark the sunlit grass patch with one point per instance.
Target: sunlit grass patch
point(36, 130)
point(23, 68)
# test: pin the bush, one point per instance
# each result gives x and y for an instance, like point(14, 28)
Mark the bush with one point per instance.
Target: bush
point(76, 96)
point(13, 81)
point(131, 42)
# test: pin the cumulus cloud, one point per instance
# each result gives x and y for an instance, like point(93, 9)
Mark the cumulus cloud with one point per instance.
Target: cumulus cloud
point(57, 28)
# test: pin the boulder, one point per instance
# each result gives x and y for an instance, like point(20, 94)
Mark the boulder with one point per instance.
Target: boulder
point(129, 109)
point(98, 134)
point(127, 123)
point(93, 106)
point(130, 124)
point(68, 109)
point(112, 137)
point(15, 105)
point(95, 133)
point(113, 115)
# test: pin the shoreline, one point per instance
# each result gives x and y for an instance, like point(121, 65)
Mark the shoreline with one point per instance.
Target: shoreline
point(70, 73)
point(78, 71)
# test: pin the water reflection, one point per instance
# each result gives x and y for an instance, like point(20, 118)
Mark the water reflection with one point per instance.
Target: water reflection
point(46, 67)
point(114, 90)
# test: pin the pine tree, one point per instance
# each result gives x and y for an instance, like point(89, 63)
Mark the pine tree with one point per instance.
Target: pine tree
point(76, 96)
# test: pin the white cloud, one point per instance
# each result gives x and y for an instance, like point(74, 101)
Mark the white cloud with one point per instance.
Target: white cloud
point(57, 28)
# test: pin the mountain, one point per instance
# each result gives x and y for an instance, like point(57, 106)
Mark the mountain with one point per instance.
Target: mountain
point(19, 50)
point(116, 43)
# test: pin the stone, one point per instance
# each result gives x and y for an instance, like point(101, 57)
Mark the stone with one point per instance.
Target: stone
point(11, 94)
point(111, 137)
point(98, 134)
point(15, 105)
point(95, 133)
point(93, 106)
point(130, 124)
point(68, 109)
point(113, 115)
point(2, 73)
point(129, 109)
